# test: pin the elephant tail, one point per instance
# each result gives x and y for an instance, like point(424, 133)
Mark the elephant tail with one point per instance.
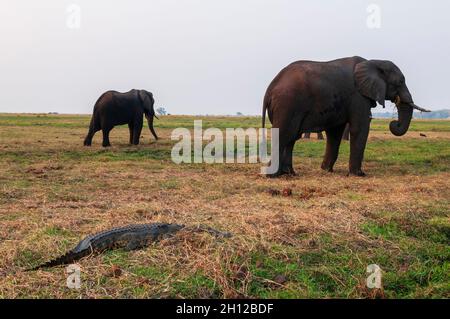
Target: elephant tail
point(266, 104)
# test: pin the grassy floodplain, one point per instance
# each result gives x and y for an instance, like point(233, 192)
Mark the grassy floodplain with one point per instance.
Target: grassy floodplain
point(316, 243)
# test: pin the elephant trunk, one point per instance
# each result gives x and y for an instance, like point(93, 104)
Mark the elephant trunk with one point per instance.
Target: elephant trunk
point(405, 107)
point(400, 127)
point(150, 125)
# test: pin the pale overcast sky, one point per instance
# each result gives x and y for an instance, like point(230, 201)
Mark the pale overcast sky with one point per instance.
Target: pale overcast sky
point(206, 56)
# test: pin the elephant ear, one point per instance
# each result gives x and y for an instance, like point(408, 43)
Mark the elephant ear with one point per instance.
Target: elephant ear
point(145, 101)
point(369, 81)
point(150, 95)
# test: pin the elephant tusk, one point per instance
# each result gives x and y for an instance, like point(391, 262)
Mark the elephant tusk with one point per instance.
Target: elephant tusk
point(419, 108)
point(398, 102)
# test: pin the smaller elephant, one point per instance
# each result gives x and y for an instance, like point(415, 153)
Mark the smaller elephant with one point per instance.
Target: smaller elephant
point(115, 108)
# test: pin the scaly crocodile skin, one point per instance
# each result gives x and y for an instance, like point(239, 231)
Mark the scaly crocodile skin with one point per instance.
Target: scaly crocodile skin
point(128, 237)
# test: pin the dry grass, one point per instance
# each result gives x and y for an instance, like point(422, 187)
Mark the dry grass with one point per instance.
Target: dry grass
point(318, 241)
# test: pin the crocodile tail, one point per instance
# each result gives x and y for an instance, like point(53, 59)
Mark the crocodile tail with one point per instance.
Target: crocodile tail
point(67, 258)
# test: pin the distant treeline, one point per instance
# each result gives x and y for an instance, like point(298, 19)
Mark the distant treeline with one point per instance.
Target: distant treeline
point(441, 114)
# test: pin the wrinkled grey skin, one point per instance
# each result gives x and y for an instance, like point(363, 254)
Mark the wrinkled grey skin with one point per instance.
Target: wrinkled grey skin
point(309, 96)
point(115, 108)
point(128, 237)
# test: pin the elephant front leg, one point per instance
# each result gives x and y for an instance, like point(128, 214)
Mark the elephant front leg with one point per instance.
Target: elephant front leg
point(334, 136)
point(358, 141)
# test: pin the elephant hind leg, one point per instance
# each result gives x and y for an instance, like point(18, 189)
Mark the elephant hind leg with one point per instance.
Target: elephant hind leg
point(90, 134)
point(289, 132)
point(334, 137)
point(88, 139)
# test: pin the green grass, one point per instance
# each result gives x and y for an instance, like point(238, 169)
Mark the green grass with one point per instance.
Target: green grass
point(44, 120)
point(422, 255)
point(416, 125)
point(168, 122)
point(418, 156)
point(54, 191)
point(413, 156)
point(105, 155)
point(151, 272)
point(172, 122)
point(169, 184)
point(338, 269)
point(56, 231)
point(116, 257)
point(27, 257)
point(196, 285)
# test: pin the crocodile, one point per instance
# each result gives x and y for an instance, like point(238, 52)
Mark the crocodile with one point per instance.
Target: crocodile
point(129, 237)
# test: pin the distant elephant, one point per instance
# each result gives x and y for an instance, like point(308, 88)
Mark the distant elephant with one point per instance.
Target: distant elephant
point(115, 108)
point(308, 136)
point(309, 96)
point(345, 135)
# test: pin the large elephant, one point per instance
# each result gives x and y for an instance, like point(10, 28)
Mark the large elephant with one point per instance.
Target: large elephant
point(309, 96)
point(115, 108)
